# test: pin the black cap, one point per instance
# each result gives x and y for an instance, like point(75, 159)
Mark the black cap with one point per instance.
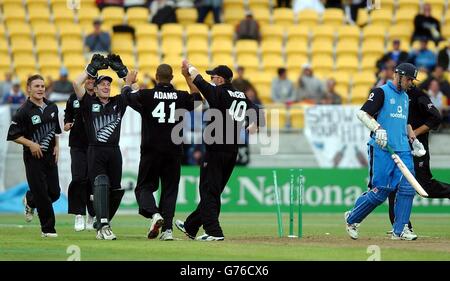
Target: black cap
point(102, 77)
point(407, 69)
point(222, 71)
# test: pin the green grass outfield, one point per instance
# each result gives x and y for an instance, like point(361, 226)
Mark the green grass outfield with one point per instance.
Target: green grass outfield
point(248, 237)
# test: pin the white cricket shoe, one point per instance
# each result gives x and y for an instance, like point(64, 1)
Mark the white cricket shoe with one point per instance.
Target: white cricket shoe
point(50, 235)
point(79, 223)
point(352, 229)
point(105, 233)
point(180, 225)
point(207, 237)
point(157, 223)
point(166, 235)
point(90, 222)
point(407, 234)
point(29, 212)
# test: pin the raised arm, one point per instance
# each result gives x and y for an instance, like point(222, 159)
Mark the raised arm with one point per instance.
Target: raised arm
point(78, 85)
point(97, 63)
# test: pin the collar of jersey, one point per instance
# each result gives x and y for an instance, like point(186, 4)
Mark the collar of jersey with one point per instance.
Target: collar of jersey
point(392, 86)
point(46, 101)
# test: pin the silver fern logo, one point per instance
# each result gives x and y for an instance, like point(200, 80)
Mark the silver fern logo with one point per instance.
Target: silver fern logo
point(44, 135)
point(105, 126)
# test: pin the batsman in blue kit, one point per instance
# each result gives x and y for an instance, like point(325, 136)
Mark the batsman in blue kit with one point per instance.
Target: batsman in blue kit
point(385, 113)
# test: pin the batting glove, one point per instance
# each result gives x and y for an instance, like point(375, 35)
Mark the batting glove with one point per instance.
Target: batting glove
point(381, 137)
point(418, 149)
point(116, 64)
point(97, 62)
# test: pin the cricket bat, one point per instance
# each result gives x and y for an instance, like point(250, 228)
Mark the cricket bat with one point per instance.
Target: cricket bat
point(409, 177)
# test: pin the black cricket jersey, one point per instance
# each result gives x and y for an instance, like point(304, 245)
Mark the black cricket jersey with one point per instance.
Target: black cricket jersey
point(162, 109)
point(422, 112)
point(38, 124)
point(233, 106)
point(103, 121)
point(78, 136)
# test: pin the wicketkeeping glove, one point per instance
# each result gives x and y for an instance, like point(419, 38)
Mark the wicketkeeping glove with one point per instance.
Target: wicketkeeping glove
point(381, 137)
point(418, 149)
point(97, 62)
point(116, 64)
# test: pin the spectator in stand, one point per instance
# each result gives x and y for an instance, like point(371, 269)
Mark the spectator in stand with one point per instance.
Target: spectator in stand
point(386, 73)
point(205, 6)
point(435, 94)
point(162, 12)
point(284, 3)
point(252, 95)
point(48, 86)
point(351, 8)
point(439, 75)
point(62, 88)
point(444, 57)
point(423, 58)
point(98, 40)
point(248, 28)
point(240, 83)
point(15, 94)
point(333, 4)
point(6, 85)
point(283, 88)
point(105, 3)
point(300, 5)
point(331, 96)
point(426, 26)
point(310, 89)
point(397, 55)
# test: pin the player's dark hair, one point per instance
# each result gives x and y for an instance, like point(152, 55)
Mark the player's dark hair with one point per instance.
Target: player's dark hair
point(34, 77)
point(164, 73)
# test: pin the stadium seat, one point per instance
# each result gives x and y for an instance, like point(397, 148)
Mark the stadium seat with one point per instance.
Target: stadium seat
point(3, 45)
point(347, 47)
point(221, 58)
point(62, 16)
point(50, 65)
point(263, 83)
point(137, 16)
point(19, 30)
point(13, 13)
point(276, 117)
point(408, 4)
point(401, 32)
point(359, 95)
point(39, 15)
point(113, 15)
point(5, 63)
point(25, 60)
point(382, 17)
point(172, 46)
point(272, 32)
point(172, 30)
point(69, 30)
point(347, 63)
point(364, 78)
point(262, 16)
point(220, 46)
point(246, 47)
point(258, 4)
point(333, 16)
point(147, 46)
point(405, 16)
point(347, 32)
point(322, 63)
point(44, 31)
point(222, 31)
point(321, 47)
point(362, 17)
point(271, 63)
point(271, 48)
point(372, 48)
point(147, 31)
point(233, 16)
point(308, 18)
point(186, 16)
point(297, 118)
point(197, 31)
point(341, 78)
point(35, 4)
point(46, 46)
point(368, 63)
point(122, 44)
point(197, 46)
point(296, 46)
point(86, 16)
point(21, 46)
point(249, 61)
point(323, 33)
point(233, 4)
point(283, 16)
point(446, 28)
point(374, 32)
point(298, 33)
point(386, 4)
point(294, 63)
point(70, 45)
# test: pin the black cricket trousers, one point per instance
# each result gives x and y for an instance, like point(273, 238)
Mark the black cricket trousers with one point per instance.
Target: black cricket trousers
point(215, 171)
point(80, 189)
point(42, 177)
point(153, 166)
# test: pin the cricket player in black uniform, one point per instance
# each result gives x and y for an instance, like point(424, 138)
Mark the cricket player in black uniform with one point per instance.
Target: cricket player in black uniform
point(102, 117)
point(161, 109)
point(80, 191)
point(221, 150)
point(35, 126)
point(423, 117)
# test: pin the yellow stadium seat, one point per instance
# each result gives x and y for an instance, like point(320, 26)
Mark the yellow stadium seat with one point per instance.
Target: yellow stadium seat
point(359, 94)
point(258, 4)
point(262, 82)
point(262, 16)
point(385, 4)
point(172, 46)
point(147, 46)
point(233, 16)
point(298, 33)
point(271, 63)
point(271, 48)
point(39, 15)
point(74, 59)
point(172, 59)
point(147, 31)
point(69, 30)
point(63, 16)
point(294, 63)
point(382, 17)
point(219, 46)
point(13, 13)
point(346, 32)
point(197, 31)
point(333, 16)
point(276, 117)
point(272, 32)
point(113, 15)
point(322, 63)
point(5, 62)
point(71, 45)
point(44, 31)
point(408, 4)
point(197, 46)
point(308, 18)
point(172, 30)
point(46, 46)
point(122, 43)
point(296, 46)
point(201, 61)
point(405, 16)
point(3, 45)
point(372, 48)
point(375, 32)
point(364, 78)
point(137, 16)
point(19, 30)
point(246, 47)
point(24, 60)
point(341, 77)
point(49, 60)
point(347, 63)
point(222, 31)
point(321, 47)
point(147, 60)
point(346, 47)
point(401, 32)
point(36, 4)
point(283, 16)
point(21, 45)
point(250, 62)
point(226, 59)
point(368, 63)
point(323, 33)
point(446, 28)
point(2, 29)
point(362, 17)
point(86, 16)
point(297, 118)
point(186, 16)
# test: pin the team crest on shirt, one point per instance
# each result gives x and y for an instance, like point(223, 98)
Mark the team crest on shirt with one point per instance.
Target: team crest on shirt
point(76, 104)
point(430, 105)
point(95, 107)
point(35, 119)
point(52, 115)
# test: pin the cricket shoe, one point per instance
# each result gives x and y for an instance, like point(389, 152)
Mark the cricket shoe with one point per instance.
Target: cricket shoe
point(352, 229)
point(207, 237)
point(29, 212)
point(157, 223)
point(90, 222)
point(49, 235)
point(180, 225)
point(105, 233)
point(407, 234)
point(166, 235)
point(79, 223)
